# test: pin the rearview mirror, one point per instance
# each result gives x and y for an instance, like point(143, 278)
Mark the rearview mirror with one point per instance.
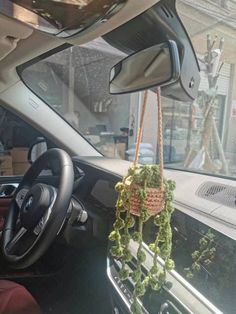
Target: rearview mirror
point(158, 65)
point(37, 149)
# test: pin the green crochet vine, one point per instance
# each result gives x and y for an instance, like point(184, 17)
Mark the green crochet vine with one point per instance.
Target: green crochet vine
point(204, 256)
point(144, 177)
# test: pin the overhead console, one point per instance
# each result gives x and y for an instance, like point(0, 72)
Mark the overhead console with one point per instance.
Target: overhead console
point(62, 18)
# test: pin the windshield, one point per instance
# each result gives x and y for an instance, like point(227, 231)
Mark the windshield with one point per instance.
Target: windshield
point(198, 136)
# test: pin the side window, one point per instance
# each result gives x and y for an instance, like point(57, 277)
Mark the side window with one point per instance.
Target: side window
point(16, 137)
point(205, 258)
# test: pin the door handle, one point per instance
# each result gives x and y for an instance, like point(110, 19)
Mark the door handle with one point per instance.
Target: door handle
point(7, 190)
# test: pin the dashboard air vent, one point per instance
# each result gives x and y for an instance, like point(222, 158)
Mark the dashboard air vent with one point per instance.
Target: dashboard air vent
point(219, 193)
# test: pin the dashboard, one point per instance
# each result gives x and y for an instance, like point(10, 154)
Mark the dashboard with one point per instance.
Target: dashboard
point(89, 221)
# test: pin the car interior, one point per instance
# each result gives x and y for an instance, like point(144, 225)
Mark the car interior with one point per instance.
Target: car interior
point(58, 170)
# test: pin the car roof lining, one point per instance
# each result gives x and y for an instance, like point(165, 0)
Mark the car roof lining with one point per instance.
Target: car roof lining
point(31, 43)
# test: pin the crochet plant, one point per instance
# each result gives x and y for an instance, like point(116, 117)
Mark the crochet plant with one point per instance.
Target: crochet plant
point(129, 226)
point(204, 256)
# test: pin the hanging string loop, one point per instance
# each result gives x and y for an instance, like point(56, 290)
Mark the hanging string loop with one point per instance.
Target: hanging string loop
point(155, 197)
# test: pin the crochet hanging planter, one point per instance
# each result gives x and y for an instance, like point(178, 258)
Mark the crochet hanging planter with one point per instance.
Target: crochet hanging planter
point(142, 194)
point(154, 201)
point(154, 192)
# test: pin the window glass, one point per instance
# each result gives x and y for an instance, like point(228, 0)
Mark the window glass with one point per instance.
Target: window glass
point(16, 137)
point(204, 257)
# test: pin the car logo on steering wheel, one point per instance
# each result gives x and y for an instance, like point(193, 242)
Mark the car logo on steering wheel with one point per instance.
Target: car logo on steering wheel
point(29, 203)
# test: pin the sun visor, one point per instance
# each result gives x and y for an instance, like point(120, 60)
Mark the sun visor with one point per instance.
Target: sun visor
point(63, 18)
point(10, 35)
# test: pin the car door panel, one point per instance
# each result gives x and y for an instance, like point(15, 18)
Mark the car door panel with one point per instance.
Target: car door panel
point(7, 190)
point(4, 205)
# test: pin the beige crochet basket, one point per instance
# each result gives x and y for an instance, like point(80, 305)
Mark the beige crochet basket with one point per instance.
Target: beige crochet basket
point(155, 197)
point(154, 202)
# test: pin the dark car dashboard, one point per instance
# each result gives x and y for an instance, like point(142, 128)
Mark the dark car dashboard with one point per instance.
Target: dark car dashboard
point(89, 221)
point(98, 196)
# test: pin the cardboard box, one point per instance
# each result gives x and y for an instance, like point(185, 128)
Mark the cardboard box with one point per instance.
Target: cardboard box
point(20, 168)
point(19, 154)
point(5, 162)
point(6, 172)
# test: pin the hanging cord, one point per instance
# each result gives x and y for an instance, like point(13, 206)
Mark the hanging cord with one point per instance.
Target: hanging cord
point(140, 131)
point(160, 136)
point(160, 133)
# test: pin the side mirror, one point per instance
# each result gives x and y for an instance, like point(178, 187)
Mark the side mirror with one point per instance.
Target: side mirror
point(37, 149)
point(158, 65)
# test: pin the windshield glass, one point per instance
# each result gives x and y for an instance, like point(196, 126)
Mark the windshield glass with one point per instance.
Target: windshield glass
point(198, 136)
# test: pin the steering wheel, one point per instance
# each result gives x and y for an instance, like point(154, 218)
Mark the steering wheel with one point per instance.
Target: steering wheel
point(37, 211)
